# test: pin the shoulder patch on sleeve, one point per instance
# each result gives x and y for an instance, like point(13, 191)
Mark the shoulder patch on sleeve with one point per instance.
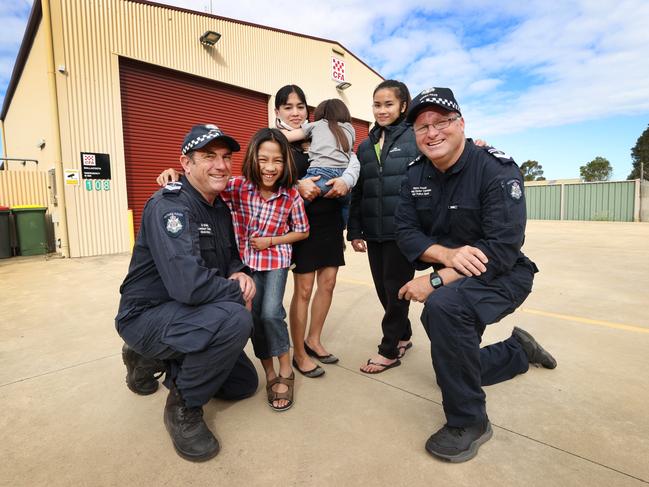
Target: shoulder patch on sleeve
point(514, 190)
point(172, 187)
point(417, 159)
point(501, 156)
point(174, 223)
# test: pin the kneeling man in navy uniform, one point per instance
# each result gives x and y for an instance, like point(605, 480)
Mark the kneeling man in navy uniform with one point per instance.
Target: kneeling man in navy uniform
point(183, 305)
point(462, 211)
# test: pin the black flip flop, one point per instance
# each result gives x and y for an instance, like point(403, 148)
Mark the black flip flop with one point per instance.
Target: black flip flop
point(385, 367)
point(403, 349)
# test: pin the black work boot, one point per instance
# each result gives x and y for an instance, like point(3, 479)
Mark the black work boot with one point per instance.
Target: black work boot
point(141, 372)
point(459, 444)
point(190, 435)
point(536, 354)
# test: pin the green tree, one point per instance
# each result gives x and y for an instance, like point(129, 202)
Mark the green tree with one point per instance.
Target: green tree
point(532, 171)
point(599, 169)
point(640, 155)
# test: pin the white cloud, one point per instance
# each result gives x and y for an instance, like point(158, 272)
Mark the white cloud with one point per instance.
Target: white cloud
point(513, 65)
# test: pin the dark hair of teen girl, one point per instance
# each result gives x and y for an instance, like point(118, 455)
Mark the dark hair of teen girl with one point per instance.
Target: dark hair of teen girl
point(251, 169)
point(401, 92)
point(334, 111)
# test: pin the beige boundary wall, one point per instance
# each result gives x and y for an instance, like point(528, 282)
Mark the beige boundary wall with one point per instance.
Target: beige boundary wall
point(24, 188)
point(89, 37)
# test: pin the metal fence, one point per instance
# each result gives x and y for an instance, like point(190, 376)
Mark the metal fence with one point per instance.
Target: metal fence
point(617, 201)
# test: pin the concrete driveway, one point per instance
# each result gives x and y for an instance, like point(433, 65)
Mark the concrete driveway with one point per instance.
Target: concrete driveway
point(68, 418)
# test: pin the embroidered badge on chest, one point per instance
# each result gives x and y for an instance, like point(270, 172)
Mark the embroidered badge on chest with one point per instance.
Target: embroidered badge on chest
point(174, 223)
point(514, 189)
point(420, 191)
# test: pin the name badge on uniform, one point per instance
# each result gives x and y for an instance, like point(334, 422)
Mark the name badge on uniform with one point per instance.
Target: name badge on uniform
point(420, 191)
point(205, 229)
point(174, 223)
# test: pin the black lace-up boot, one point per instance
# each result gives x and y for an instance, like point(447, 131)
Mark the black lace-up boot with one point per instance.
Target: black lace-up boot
point(536, 354)
point(141, 372)
point(459, 444)
point(191, 437)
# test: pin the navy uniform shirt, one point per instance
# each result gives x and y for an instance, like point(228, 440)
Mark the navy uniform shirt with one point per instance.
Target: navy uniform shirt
point(479, 201)
point(185, 251)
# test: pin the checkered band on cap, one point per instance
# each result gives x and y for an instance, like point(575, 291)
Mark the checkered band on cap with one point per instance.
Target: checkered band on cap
point(451, 104)
point(442, 97)
point(212, 134)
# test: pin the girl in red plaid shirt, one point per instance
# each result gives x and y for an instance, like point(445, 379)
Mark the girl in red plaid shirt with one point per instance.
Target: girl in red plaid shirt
point(268, 216)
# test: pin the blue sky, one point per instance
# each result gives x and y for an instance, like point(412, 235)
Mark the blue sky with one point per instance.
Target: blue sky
point(557, 82)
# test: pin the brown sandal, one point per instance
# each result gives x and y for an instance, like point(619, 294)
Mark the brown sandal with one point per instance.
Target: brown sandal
point(276, 396)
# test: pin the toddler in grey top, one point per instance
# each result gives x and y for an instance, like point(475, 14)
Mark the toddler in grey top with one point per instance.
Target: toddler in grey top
point(332, 139)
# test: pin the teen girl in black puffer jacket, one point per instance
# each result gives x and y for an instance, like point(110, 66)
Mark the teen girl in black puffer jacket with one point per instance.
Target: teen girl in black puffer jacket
point(384, 157)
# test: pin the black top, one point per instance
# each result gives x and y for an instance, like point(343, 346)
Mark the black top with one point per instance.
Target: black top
point(185, 251)
point(324, 246)
point(376, 194)
point(479, 201)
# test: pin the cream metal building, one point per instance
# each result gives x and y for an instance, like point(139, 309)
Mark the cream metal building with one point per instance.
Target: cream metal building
point(103, 91)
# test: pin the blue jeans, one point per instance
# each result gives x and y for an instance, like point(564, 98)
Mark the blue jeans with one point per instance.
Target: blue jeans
point(325, 173)
point(270, 335)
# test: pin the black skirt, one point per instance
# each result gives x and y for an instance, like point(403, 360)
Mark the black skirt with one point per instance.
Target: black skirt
point(325, 245)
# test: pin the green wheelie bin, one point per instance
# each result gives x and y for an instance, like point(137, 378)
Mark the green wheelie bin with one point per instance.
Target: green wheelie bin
point(5, 234)
point(30, 228)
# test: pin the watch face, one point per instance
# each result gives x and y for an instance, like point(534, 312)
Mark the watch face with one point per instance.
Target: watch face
point(436, 281)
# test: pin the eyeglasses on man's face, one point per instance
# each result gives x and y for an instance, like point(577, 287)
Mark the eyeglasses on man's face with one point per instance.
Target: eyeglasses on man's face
point(439, 125)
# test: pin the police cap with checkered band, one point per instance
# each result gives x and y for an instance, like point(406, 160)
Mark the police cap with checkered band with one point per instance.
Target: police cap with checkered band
point(201, 135)
point(441, 97)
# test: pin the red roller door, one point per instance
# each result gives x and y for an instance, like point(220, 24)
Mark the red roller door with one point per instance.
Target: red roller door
point(160, 105)
point(362, 129)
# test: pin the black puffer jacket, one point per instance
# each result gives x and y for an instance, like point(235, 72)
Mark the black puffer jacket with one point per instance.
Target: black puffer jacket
point(376, 194)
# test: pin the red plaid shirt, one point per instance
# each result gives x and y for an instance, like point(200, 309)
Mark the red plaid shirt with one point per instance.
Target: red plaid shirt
point(254, 216)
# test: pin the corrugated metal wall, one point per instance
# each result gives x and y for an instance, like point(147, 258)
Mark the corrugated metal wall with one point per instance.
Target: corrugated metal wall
point(543, 202)
point(605, 201)
point(611, 201)
point(362, 129)
point(153, 132)
point(89, 39)
point(23, 188)
point(97, 220)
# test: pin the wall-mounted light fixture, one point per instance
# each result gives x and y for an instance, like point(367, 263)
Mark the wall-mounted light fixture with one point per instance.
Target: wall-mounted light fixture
point(343, 86)
point(210, 38)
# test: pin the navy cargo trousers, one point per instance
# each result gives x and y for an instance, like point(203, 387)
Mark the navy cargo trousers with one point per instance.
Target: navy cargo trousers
point(202, 347)
point(455, 317)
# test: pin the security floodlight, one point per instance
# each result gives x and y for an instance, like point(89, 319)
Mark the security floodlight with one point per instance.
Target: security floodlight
point(210, 38)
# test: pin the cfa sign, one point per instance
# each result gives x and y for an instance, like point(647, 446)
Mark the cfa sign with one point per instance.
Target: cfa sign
point(337, 69)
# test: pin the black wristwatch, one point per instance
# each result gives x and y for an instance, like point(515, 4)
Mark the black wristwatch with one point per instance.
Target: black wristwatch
point(436, 280)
